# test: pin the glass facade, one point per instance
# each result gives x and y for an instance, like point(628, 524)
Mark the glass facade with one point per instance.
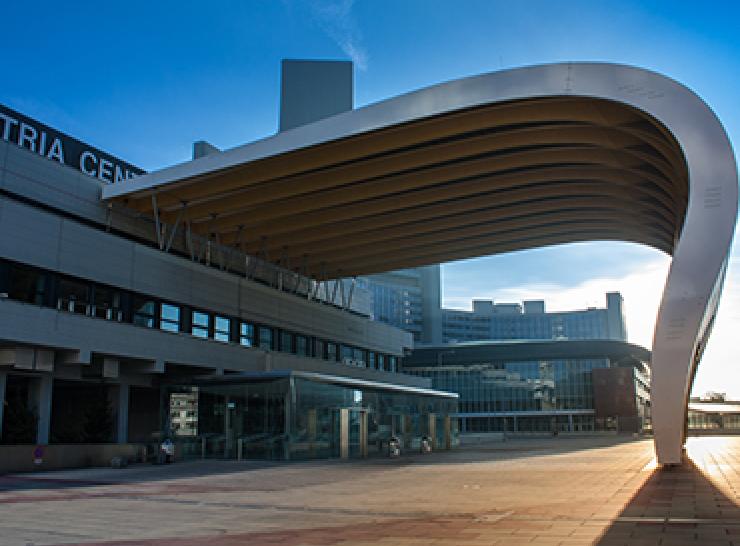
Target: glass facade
point(518, 386)
point(298, 417)
point(492, 394)
point(716, 419)
point(397, 299)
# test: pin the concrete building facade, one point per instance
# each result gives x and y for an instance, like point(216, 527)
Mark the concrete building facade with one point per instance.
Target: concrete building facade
point(529, 320)
point(103, 308)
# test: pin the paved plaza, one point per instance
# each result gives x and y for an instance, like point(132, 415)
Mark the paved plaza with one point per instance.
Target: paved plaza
point(570, 491)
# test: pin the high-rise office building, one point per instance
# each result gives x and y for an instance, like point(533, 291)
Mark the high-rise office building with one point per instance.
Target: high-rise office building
point(409, 299)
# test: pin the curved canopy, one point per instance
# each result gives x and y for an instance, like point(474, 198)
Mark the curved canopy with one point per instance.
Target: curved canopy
point(468, 183)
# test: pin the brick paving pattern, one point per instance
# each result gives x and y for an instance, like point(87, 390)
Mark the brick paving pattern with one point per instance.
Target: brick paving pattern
point(568, 491)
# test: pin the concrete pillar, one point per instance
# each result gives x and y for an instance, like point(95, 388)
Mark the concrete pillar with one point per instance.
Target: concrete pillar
point(122, 413)
point(570, 422)
point(3, 383)
point(44, 386)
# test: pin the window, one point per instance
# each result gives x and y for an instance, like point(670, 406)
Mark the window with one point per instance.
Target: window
point(320, 349)
point(169, 317)
point(265, 338)
point(144, 312)
point(107, 304)
point(346, 353)
point(27, 285)
point(381, 362)
point(74, 296)
point(222, 329)
point(201, 324)
point(359, 355)
point(246, 334)
point(286, 342)
point(331, 351)
point(301, 346)
point(371, 360)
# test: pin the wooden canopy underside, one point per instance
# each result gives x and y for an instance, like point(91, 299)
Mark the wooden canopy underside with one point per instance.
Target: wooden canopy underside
point(469, 183)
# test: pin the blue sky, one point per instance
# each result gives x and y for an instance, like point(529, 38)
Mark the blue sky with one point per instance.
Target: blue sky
point(144, 80)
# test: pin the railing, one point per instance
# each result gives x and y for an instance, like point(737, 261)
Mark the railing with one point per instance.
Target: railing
point(179, 239)
point(79, 307)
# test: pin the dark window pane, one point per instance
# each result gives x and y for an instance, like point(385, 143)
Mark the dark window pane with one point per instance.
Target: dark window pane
point(358, 355)
point(246, 334)
point(286, 342)
point(107, 303)
point(301, 346)
point(74, 296)
point(27, 285)
point(320, 349)
point(265, 337)
point(144, 312)
point(331, 351)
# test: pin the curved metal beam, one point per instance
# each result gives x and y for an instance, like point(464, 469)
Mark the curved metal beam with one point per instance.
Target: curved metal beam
point(681, 149)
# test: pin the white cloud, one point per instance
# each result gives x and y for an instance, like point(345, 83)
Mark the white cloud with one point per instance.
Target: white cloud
point(338, 22)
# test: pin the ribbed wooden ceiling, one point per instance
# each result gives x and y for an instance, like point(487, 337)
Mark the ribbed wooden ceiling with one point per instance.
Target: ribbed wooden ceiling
point(469, 183)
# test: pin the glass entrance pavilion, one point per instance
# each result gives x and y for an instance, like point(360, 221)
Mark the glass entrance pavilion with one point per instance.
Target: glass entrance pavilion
point(293, 415)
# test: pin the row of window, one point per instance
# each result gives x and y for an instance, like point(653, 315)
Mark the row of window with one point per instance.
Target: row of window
point(49, 289)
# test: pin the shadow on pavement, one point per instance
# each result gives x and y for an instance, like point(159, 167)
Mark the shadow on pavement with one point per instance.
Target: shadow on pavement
point(676, 505)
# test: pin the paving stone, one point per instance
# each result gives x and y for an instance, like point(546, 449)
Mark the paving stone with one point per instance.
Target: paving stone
point(547, 492)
